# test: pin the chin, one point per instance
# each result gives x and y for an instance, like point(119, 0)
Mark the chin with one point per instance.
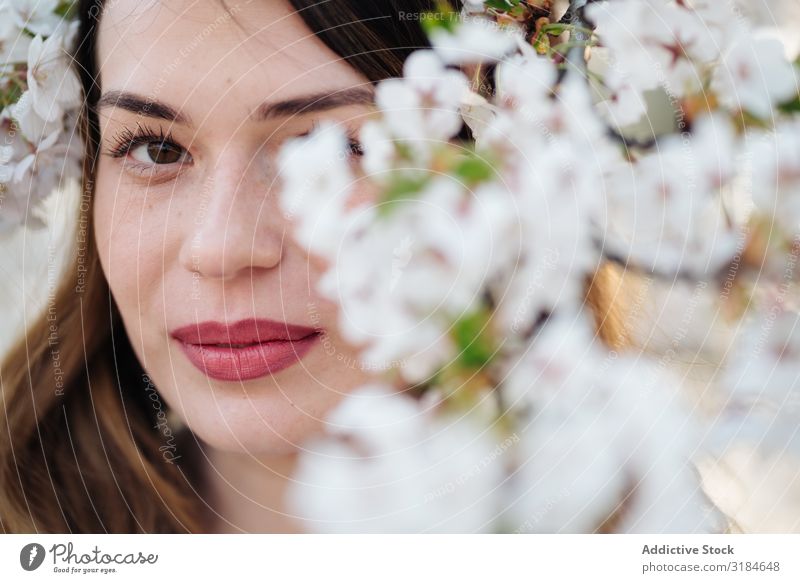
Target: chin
point(258, 422)
point(271, 415)
point(253, 436)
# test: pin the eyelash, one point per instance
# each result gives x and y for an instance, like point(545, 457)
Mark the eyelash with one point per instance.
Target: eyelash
point(127, 140)
point(354, 146)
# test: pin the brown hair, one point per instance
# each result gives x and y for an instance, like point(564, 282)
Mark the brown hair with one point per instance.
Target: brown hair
point(82, 448)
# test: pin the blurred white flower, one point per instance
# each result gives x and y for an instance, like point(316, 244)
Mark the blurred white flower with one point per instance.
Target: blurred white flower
point(477, 113)
point(625, 107)
point(760, 398)
point(553, 159)
point(451, 242)
point(378, 415)
point(725, 21)
point(37, 16)
point(475, 40)
point(778, 18)
point(379, 149)
point(423, 106)
point(52, 82)
point(653, 43)
point(506, 232)
point(31, 124)
point(775, 177)
point(754, 75)
point(28, 175)
point(14, 42)
point(13, 151)
point(474, 6)
point(526, 83)
point(665, 209)
point(316, 183)
point(605, 434)
point(389, 466)
point(763, 365)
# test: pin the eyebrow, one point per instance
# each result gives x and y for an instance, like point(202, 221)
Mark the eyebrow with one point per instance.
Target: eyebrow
point(314, 102)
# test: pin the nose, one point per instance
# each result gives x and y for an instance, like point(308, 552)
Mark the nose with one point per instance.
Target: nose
point(237, 226)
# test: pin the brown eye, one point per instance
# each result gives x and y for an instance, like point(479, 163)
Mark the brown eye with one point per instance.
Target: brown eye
point(355, 148)
point(148, 152)
point(158, 153)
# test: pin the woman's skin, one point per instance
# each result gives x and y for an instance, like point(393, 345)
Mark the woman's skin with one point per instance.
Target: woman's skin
point(200, 236)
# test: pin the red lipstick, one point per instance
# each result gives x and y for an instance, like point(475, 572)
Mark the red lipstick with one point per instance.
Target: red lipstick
point(247, 349)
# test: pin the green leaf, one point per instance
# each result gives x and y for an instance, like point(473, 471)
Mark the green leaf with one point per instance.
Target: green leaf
point(556, 28)
point(473, 169)
point(750, 120)
point(472, 336)
point(67, 9)
point(792, 106)
point(501, 4)
point(401, 187)
point(13, 92)
point(443, 18)
point(519, 12)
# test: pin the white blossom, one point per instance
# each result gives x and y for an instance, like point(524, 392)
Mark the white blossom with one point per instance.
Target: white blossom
point(759, 400)
point(554, 157)
point(477, 112)
point(526, 83)
point(401, 278)
point(603, 440)
point(423, 106)
point(763, 364)
point(476, 39)
point(603, 432)
point(474, 6)
point(775, 177)
point(665, 209)
point(391, 466)
point(14, 42)
point(379, 149)
point(625, 107)
point(29, 174)
point(315, 194)
point(52, 83)
point(778, 18)
point(13, 204)
point(31, 124)
point(37, 16)
point(754, 75)
point(653, 44)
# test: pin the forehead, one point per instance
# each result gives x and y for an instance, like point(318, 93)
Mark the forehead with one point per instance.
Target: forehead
point(184, 52)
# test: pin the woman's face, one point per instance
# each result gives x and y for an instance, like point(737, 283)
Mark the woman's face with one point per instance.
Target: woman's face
point(217, 299)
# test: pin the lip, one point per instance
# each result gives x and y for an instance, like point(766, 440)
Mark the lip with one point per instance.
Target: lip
point(260, 347)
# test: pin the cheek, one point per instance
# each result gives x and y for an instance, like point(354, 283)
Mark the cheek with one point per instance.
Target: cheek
point(128, 237)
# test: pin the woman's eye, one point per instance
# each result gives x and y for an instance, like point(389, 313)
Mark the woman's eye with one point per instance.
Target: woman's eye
point(157, 153)
point(355, 148)
point(146, 151)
